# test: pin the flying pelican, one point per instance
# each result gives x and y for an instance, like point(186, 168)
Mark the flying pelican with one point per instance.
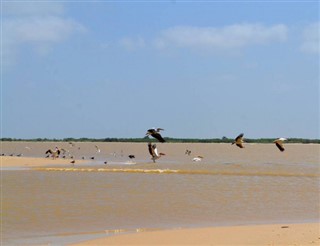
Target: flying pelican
point(198, 158)
point(155, 132)
point(238, 141)
point(279, 144)
point(54, 153)
point(154, 152)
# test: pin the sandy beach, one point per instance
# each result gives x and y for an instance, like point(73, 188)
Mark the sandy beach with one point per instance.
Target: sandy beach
point(255, 196)
point(285, 234)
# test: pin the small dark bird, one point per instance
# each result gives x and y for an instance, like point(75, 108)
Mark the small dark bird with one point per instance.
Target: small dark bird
point(238, 141)
point(155, 132)
point(105, 162)
point(279, 143)
point(131, 156)
point(73, 162)
point(92, 158)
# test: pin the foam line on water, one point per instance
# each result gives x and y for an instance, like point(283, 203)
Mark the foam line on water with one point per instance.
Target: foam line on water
point(178, 171)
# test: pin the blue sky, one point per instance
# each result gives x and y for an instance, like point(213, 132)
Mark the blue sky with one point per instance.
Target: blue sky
point(203, 69)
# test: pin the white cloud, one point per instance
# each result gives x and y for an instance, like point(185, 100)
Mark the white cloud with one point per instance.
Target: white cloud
point(311, 40)
point(35, 30)
point(38, 26)
point(233, 36)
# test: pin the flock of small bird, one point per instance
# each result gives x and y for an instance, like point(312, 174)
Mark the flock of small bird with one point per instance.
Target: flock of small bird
point(153, 151)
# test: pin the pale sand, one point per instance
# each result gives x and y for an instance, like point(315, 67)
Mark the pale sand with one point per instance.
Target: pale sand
point(284, 234)
point(11, 161)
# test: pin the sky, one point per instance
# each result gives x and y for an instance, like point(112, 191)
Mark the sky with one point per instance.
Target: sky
point(198, 69)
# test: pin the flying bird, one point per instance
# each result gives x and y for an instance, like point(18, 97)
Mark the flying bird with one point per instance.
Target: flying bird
point(155, 132)
point(54, 153)
point(238, 141)
point(279, 143)
point(154, 152)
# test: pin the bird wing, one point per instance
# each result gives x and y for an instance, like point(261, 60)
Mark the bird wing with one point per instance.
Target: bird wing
point(150, 149)
point(155, 150)
point(49, 151)
point(279, 145)
point(239, 138)
point(150, 131)
point(239, 145)
point(158, 137)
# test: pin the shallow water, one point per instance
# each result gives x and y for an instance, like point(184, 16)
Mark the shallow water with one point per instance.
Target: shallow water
point(230, 186)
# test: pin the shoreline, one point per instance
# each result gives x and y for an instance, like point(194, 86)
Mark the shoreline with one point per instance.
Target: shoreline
point(265, 234)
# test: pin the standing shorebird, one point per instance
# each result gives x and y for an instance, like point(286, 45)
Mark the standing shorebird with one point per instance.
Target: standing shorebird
point(97, 149)
point(238, 141)
point(154, 152)
point(155, 132)
point(54, 153)
point(279, 143)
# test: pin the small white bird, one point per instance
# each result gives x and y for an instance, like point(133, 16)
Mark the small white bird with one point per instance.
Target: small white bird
point(197, 158)
point(155, 132)
point(239, 140)
point(154, 152)
point(279, 143)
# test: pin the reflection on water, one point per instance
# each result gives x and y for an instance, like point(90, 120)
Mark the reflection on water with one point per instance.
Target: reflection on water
point(40, 204)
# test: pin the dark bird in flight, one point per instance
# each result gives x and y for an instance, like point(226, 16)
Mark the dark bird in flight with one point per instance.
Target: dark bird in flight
point(154, 152)
point(155, 132)
point(279, 143)
point(238, 141)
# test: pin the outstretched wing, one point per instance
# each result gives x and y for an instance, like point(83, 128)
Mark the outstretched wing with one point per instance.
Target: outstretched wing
point(239, 138)
point(150, 149)
point(157, 136)
point(280, 146)
point(49, 151)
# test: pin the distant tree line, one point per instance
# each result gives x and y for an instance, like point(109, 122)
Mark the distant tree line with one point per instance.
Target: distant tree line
point(170, 140)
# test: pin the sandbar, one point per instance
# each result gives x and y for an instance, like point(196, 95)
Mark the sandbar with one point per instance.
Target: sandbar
point(273, 234)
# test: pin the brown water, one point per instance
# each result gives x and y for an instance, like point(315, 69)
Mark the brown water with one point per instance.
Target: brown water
point(230, 186)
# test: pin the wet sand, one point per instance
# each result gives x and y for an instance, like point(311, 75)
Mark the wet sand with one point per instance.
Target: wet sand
point(11, 161)
point(251, 187)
